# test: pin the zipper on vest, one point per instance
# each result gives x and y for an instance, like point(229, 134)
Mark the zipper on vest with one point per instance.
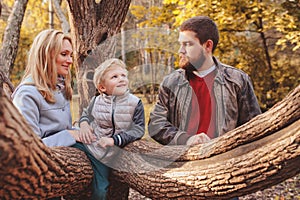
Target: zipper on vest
point(113, 114)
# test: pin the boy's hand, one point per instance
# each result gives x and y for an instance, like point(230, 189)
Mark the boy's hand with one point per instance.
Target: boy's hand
point(105, 142)
point(86, 134)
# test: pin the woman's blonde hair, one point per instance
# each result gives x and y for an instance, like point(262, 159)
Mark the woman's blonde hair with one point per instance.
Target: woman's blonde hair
point(104, 67)
point(41, 66)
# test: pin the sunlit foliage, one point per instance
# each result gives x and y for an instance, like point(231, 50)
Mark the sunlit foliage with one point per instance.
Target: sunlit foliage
point(259, 37)
point(35, 20)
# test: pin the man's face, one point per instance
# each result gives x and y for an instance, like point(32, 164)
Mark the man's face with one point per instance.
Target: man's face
point(191, 52)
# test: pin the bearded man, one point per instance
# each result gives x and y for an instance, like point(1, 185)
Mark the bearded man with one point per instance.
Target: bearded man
point(204, 98)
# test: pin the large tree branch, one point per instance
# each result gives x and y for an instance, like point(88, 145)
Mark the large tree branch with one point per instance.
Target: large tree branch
point(61, 16)
point(29, 169)
point(243, 170)
point(257, 155)
point(11, 36)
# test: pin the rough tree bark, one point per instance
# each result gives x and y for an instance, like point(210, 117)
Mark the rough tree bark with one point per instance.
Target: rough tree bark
point(11, 36)
point(5, 84)
point(91, 24)
point(257, 155)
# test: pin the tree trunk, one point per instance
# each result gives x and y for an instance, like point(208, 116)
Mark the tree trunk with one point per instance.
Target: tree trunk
point(11, 36)
point(29, 169)
point(60, 15)
point(257, 155)
point(91, 24)
point(6, 84)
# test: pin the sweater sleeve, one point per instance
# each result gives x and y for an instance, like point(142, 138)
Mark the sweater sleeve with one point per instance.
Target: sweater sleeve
point(61, 138)
point(29, 102)
point(136, 129)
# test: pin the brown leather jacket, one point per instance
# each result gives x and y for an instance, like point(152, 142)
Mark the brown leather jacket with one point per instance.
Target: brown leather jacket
point(236, 103)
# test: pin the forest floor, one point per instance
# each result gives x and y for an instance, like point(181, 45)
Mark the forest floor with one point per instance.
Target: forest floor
point(287, 190)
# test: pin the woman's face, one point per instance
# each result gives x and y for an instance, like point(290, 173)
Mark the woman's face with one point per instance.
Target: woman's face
point(64, 58)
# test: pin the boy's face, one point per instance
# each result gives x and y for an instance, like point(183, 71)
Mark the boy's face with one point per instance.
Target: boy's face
point(115, 81)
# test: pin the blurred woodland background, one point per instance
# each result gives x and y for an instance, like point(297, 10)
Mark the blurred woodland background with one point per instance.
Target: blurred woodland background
point(260, 37)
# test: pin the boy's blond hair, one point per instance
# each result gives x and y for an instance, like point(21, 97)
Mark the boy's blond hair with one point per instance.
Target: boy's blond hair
point(105, 67)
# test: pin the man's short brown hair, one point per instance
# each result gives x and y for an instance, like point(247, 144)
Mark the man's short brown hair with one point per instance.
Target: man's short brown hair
point(204, 27)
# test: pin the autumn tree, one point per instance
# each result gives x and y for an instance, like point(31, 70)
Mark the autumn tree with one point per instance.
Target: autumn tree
point(260, 37)
point(92, 23)
point(64, 171)
point(57, 6)
point(11, 37)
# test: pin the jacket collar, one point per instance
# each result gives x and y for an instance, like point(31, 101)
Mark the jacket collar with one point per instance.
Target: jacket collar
point(220, 71)
point(110, 98)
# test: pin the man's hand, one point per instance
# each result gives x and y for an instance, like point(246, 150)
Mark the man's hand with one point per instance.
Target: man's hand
point(86, 134)
point(198, 139)
point(105, 142)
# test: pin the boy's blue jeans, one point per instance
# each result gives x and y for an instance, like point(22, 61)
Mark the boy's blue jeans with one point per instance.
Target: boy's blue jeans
point(100, 180)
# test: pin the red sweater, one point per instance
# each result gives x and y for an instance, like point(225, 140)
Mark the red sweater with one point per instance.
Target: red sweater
point(203, 110)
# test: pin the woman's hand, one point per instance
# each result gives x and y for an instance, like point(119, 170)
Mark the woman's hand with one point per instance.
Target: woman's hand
point(75, 134)
point(86, 134)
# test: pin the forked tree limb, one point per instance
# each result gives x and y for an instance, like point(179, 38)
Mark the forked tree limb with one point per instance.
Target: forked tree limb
point(29, 169)
point(257, 155)
point(243, 170)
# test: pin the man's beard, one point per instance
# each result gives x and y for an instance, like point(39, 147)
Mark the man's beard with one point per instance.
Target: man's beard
point(185, 64)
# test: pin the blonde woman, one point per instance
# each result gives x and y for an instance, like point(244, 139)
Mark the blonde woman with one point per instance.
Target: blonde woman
point(44, 94)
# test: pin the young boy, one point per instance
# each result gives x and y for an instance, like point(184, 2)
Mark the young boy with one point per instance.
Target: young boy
point(115, 117)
